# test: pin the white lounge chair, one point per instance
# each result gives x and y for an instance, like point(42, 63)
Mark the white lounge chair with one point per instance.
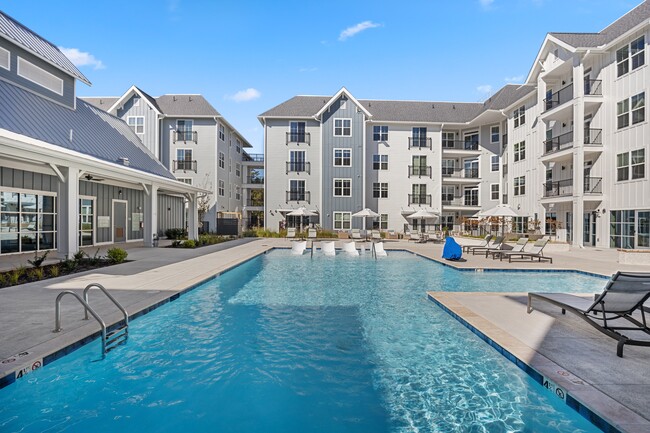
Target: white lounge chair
point(356, 234)
point(350, 248)
point(298, 247)
point(291, 233)
point(328, 248)
point(415, 236)
point(311, 234)
point(375, 235)
point(379, 249)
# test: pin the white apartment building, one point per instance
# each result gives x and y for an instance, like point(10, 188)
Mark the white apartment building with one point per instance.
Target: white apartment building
point(567, 148)
point(193, 140)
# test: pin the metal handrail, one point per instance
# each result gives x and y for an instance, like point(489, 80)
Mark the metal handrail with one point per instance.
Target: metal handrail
point(419, 170)
point(420, 142)
point(109, 296)
point(459, 145)
point(298, 137)
point(57, 316)
point(565, 94)
point(559, 142)
point(186, 135)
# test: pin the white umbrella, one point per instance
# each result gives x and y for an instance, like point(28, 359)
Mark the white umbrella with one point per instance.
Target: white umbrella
point(365, 213)
point(502, 211)
point(301, 212)
point(422, 214)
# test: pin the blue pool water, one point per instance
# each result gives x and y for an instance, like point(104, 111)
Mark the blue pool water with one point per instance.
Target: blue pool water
point(293, 344)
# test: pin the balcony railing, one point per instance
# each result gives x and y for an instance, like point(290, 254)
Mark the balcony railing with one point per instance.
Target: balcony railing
point(593, 137)
point(560, 142)
point(420, 199)
point(299, 167)
point(419, 170)
point(420, 142)
point(459, 145)
point(504, 198)
point(185, 165)
point(460, 173)
point(253, 202)
point(558, 188)
point(256, 157)
point(298, 196)
point(186, 136)
point(459, 201)
point(560, 97)
point(299, 137)
point(593, 87)
point(593, 185)
point(254, 180)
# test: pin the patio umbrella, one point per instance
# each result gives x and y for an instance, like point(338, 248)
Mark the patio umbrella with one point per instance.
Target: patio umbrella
point(502, 211)
point(422, 214)
point(365, 213)
point(301, 212)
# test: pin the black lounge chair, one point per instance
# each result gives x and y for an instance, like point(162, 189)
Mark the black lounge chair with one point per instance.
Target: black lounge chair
point(486, 242)
point(494, 246)
point(518, 248)
point(536, 252)
point(624, 294)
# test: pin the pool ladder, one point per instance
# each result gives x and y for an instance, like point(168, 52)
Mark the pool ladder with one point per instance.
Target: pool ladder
point(111, 339)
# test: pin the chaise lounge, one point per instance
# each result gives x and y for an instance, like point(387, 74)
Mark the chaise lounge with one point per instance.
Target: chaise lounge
point(485, 243)
point(623, 296)
point(536, 252)
point(495, 245)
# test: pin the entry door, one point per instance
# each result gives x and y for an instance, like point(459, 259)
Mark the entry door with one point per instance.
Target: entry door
point(643, 229)
point(119, 221)
point(589, 229)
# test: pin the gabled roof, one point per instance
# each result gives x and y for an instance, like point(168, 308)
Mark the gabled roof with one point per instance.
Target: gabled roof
point(507, 95)
point(185, 105)
point(133, 90)
point(94, 132)
point(20, 35)
point(338, 94)
point(101, 102)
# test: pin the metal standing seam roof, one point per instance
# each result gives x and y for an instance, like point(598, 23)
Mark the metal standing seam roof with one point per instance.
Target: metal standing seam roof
point(94, 132)
point(26, 38)
point(103, 103)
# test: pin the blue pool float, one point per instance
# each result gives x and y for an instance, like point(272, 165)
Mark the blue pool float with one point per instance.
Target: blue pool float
point(451, 250)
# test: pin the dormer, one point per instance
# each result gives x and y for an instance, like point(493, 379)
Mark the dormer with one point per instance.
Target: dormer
point(31, 62)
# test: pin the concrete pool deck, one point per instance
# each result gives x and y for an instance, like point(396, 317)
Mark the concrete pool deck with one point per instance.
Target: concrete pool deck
point(155, 275)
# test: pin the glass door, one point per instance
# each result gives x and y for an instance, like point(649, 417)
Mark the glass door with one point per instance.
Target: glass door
point(471, 168)
point(643, 229)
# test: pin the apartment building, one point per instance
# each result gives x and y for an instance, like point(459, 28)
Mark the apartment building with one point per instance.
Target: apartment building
point(193, 140)
point(567, 149)
point(72, 176)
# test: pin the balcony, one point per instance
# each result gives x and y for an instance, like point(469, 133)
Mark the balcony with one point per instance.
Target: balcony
point(420, 199)
point(420, 142)
point(460, 201)
point(185, 136)
point(593, 87)
point(419, 170)
point(298, 167)
point(563, 188)
point(558, 98)
point(593, 185)
point(459, 145)
point(299, 138)
point(253, 157)
point(255, 203)
point(298, 196)
point(254, 180)
point(184, 165)
point(560, 142)
point(593, 137)
point(460, 173)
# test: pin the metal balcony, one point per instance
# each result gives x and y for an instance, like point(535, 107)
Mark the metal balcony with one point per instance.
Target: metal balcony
point(593, 185)
point(459, 145)
point(459, 200)
point(255, 203)
point(560, 142)
point(594, 87)
point(299, 138)
point(185, 136)
point(420, 199)
point(558, 98)
point(593, 137)
point(254, 180)
point(460, 173)
point(298, 167)
point(419, 170)
point(558, 188)
point(184, 165)
point(420, 142)
point(298, 196)
point(255, 157)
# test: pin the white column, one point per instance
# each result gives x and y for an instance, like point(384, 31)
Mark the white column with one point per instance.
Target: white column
point(68, 227)
point(150, 215)
point(578, 152)
point(192, 218)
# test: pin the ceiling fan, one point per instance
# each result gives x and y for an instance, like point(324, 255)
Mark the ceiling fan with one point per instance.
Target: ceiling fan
point(90, 177)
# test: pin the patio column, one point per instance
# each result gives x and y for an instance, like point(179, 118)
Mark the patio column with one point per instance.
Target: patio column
point(68, 213)
point(192, 217)
point(150, 214)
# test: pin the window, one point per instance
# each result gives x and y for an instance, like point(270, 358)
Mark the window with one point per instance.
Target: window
point(39, 76)
point(419, 166)
point(383, 221)
point(136, 123)
point(519, 116)
point(419, 137)
point(448, 167)
point(222, 188)
point(343, 103)
point(342, 157)
point(297, 161)
point(637, 51)
point(187, 180)
point(637, 102)
point(520, 185)
point(634, 160)
point(342, 127)
point(379, 190)
point(520, 224)
point(238, 146)
point(5, 59)
point(380, 162)
point(184, 159)
point(448, 140)
point(494, 163)
point(471, 196)
point(494, 191)
point(237, 192)
point(520, 151)
point(623, 113)
point(184, 130)
point(621, 229)
point(495, 134)
point(342, 187)
point(27, 222)
point(419, 195)
point(470, 141)
point(380, 133)
point(297, 132)
point(222, 133)
point(86, 221)
point(237, 169)
point(297, 190)
point(342, 220)
point(447, 194)
point(222, 160)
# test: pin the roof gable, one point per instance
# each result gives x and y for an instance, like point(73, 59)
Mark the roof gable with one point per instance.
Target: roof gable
point(133, 90)
point(335, 98)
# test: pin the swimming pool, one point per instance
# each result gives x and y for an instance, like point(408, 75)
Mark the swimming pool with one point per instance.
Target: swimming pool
point(284, 343)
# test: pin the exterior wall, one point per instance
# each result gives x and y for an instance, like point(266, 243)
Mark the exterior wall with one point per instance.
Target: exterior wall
point(228, 202)
point(68, 96)
point(22, 179)
point(150, 136)
point(171, 213)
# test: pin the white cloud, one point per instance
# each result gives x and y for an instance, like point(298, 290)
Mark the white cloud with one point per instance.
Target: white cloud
point(515, 79)
point(245, 95)
point(485, 88)
point(82, 58)
point(486, 3)
point(357, 28)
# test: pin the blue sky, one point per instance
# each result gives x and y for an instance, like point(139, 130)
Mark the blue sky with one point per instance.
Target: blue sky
point(248, 56)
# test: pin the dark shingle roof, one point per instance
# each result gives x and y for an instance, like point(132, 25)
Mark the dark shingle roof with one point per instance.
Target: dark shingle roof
point(298, 106)
point(24, 37)
point(628, 21)
point(507, 95)
point(94, 132)
point(149, 98)
point(185, 105)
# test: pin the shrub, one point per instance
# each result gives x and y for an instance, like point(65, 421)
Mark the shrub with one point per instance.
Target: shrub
point(68, 265)
point(3, 279)
point(177, 244)
point(176, 234)
point(249, 233)
point(95, 259)
point(207, 239)
point(116, 255)
point(190, 243)
point(35, 274)
point(262, 233)
point(79, 256)
point(54, 271)
point(38, 260)
point(326, 234)
point(15, 275)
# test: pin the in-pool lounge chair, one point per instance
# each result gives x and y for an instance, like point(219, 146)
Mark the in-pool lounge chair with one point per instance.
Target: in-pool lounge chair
point(519, 247)
point(298, 247)
point(291, 233)
point(536, 252)
point(612, 311)
point(495, 245)
point(485, 243)
point(379, 249)
point(328, 248)
point(350, 248)
point(311, 234)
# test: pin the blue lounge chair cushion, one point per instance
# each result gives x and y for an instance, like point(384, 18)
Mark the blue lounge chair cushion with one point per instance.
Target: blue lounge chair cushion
point(451, 250)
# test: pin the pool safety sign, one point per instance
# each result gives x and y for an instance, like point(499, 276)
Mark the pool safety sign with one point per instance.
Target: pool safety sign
point(554, 388)
point(20, 359)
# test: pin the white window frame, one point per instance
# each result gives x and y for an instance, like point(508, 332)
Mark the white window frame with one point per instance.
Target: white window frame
point(380, 161)
point(637, 105)
point(221, 188)
point(237, 192)
point(498, 134)
point(7, 54)
point(519, 185)
point(498, 190)
point(342, 187)
point(343, 221)
point(94, 219)
point(59, 81)
point(492, 163)
point(519, 151)
point(237, 169)
point(342, 127)
point(381, 188)
point(519, 116)
point(135, 125)
point(626, 56)
point(383, 221)
point(447, 137)
point(238, 145)
point(342, 150)
point(186, 180)
point(222, 160)
point(221, 132)
point(637, 163)
point(623, 112)
point(383, 136)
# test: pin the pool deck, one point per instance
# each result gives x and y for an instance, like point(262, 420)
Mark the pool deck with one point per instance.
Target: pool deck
point(615, 388)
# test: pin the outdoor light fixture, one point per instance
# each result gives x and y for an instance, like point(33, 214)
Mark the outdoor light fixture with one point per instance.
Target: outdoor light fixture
point(119, 191)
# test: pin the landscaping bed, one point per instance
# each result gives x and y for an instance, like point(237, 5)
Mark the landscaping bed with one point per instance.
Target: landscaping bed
point(203, 241)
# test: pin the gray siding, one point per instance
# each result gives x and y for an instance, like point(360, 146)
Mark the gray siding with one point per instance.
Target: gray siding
point(355, 172)
point(13, 178)
point(171, 213)
point(150, 122)
point(68, 97)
